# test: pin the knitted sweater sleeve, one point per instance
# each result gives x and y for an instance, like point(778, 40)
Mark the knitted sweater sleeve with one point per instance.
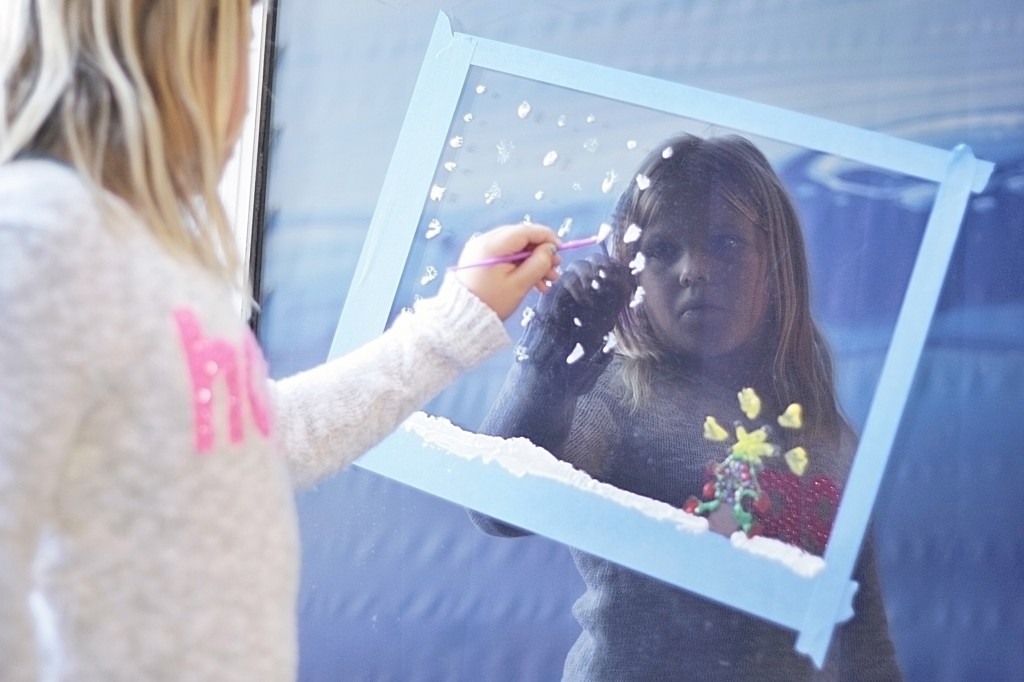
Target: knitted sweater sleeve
point(48, 376)
point(330, 415)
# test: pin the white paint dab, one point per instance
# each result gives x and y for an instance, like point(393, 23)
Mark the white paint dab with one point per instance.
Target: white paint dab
point(456, 142)
point(429, 275)
point(564, 228)
point(642, 181)
point(591, 144)
point(610, 178)
point(630, 145)
point(638, 297)
point(524, 109)
point(575, 355)
point(481, 89)
point(437, 193)
point(504, 151)
point(520, 354)
point(538, 195)
point(550, 158)
point(450, 166)
point(610, 341)
point(632, 233)
point(561, 121)
point(492, 194)
point(667, 153)
point(637, 265)
point(433, 228)
point(528, 314)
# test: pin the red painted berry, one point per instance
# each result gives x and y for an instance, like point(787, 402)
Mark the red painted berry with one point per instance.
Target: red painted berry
point(709, 490)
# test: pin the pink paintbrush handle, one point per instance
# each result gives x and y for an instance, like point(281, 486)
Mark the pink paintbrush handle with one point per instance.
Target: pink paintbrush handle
point(523, 255)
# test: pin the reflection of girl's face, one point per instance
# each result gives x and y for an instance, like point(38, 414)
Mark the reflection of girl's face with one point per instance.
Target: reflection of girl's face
point(705, 280)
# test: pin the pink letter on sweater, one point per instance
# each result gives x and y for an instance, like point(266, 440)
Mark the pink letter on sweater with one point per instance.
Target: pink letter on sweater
point(209, 358)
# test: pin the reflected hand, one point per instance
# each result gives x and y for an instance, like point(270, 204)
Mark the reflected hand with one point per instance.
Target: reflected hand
point(502, 286)
point(576, 317)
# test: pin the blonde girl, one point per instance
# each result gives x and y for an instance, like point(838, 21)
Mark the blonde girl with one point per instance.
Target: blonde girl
point(147, 527)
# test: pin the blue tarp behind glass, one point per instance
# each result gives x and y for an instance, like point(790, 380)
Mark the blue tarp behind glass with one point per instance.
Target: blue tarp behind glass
point(399, 585)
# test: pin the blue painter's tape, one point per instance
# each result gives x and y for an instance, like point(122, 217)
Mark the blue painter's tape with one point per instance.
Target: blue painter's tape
point(394, 222)
point(811, 606)
point(891, 394)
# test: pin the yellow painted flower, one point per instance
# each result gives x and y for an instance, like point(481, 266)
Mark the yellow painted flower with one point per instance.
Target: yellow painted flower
point(797, 460)
point(752, 446)
point(713, 430)
point(750, 403)
point(793, 417)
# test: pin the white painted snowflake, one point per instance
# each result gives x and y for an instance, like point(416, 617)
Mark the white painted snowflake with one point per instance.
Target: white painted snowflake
point(637, 265)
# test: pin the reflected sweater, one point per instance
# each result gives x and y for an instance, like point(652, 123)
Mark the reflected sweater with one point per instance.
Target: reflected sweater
point(637, 628)
point(147, 524)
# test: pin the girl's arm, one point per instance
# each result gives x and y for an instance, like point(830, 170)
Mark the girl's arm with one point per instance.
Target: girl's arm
point(330, 415)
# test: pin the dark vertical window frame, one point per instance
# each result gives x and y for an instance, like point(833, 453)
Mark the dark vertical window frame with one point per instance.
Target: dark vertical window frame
point(264, 137)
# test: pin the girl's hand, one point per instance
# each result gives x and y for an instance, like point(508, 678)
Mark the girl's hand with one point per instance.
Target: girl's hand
point(568, 338)
point(502, 286)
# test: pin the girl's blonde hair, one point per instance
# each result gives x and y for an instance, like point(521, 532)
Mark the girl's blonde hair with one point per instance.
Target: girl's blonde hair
point(138, 96)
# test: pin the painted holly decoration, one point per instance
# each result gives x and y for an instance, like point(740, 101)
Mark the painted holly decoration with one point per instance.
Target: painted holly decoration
point(734, 481)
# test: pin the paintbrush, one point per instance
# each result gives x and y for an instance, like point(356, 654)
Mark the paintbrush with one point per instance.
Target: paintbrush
point(601, 235)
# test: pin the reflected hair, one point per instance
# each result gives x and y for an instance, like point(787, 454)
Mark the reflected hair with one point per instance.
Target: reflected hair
point(686, 170)
point(137, 96)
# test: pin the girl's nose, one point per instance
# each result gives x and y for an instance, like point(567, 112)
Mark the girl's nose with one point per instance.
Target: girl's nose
point(692, 267)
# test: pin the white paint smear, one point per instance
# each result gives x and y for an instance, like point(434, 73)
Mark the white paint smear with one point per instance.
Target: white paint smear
point(522, 458)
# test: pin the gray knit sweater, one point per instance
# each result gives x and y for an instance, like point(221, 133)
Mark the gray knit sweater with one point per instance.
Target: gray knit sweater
point(635, 628)
point(147, 526)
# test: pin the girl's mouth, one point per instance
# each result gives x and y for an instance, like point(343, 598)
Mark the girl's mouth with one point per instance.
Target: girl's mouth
point(695, 310)
point(694, 313)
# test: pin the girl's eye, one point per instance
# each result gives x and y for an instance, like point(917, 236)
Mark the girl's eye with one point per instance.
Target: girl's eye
point(659, 250)
point(725, 244)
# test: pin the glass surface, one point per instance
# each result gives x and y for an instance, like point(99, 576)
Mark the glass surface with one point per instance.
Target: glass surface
point(504, 158)
point(397, 582)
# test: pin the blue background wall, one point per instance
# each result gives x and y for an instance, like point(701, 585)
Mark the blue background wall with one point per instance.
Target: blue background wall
point(399, 585)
